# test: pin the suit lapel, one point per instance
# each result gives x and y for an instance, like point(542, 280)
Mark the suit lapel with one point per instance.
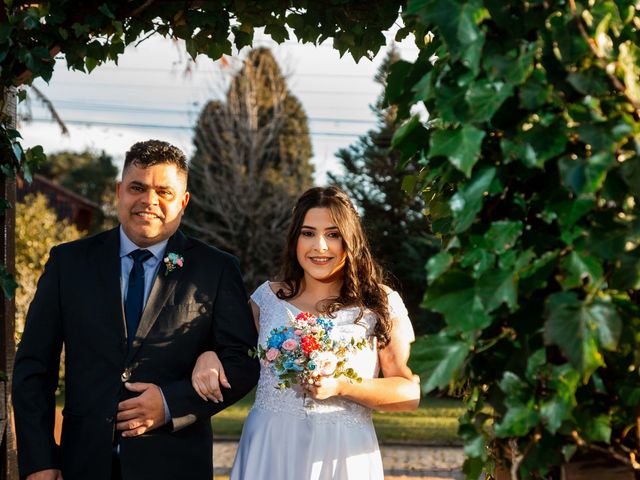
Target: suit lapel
point(107, 258)
point(163, 286)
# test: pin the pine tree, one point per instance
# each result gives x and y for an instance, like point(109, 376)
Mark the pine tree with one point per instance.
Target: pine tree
point(252, 161)
point(397, 229)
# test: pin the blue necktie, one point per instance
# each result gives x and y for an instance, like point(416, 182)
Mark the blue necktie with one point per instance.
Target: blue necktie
point(134, 303)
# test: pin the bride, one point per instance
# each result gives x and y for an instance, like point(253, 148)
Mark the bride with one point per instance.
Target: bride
point(324, 431)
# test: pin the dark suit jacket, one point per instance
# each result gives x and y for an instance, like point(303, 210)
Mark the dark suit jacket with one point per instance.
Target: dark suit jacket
point(78, 303)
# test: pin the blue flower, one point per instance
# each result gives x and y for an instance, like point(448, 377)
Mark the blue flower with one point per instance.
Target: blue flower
point(291, 365)
point(276, 339)
point(325, 323)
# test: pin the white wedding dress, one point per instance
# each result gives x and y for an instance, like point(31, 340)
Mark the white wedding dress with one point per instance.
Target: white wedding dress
point(289, 437)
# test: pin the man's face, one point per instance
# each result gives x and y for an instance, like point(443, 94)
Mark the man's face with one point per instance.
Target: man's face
point(151, 202)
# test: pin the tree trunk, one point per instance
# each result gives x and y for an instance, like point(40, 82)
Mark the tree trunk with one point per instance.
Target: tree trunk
point(9, 467)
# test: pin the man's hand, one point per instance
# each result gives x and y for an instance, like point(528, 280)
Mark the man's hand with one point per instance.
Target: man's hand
point(142, 413)
point(50, 474)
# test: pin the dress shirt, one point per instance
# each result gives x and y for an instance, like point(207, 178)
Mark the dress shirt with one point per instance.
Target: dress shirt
point(151, 267)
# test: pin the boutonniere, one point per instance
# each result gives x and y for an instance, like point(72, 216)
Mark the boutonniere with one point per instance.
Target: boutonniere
point(171, 261)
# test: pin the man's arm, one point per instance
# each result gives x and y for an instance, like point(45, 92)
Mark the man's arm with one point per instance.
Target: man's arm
point(35, 375)
point(233, 335)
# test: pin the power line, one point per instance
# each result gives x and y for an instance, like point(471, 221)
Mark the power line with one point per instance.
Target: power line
point(102, 107)
point(99, 123)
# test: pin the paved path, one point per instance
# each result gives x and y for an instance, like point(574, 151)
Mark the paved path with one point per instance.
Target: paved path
point(400, 462)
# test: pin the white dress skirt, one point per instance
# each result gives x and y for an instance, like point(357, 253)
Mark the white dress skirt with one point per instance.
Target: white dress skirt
point(288, 436)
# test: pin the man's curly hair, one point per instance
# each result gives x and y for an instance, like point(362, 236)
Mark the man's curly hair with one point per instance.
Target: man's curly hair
point(154, 152)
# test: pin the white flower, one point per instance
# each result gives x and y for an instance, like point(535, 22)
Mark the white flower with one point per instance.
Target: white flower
point(326, 363)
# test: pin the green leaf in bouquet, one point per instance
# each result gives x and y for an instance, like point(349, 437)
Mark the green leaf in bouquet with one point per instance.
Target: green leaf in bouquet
point(467, 202)
point(460, 145)
point(438, 264)
point(454, 295)
point(577, 270)
point(437, 359)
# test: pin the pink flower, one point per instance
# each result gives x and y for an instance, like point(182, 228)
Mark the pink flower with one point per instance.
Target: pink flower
point(315, 329)
point(298, 332)
point(311, 321)
point(272, 354)
point(180, 262)
point(289, 344)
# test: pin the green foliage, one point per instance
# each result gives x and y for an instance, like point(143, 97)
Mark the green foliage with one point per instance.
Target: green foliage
point(90, 174)
point(38, 230)
point(531, 180)
point(252, 161)
point(395, 223)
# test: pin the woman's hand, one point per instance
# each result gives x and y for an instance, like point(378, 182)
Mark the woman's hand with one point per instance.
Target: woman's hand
point(207, 376)
point(324, 387)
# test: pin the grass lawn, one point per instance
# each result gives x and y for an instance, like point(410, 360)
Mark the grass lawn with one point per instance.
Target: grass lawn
point(435, 421)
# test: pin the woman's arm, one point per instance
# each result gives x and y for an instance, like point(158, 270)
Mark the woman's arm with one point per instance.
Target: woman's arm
point(398, 390)
point(208, 373)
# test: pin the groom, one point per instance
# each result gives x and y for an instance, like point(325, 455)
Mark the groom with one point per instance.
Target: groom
point(134, 307)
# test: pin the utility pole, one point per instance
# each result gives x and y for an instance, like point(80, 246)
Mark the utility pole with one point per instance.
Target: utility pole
point(8, 454)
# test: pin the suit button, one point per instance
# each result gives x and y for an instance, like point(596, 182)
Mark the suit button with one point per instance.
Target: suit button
point(126, 375)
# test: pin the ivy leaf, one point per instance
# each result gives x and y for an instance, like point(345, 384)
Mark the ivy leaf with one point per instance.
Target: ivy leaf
point(502, 235)
point(454, 295)
point(437, 358)
point(558, 408)
point(277, 31)
point(518, 420)
point(456, 22)
point(467, 202)
point(578, 269)
point(438, 264)
point(578, 329)
point(497, 287)
point(537, 145)
point(461, 146)
point(485, 98)
point(594, 429)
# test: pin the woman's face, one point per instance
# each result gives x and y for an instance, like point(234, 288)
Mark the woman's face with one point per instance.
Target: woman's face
point(320, 249)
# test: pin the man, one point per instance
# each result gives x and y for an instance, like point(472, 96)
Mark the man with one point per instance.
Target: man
point(134, 307)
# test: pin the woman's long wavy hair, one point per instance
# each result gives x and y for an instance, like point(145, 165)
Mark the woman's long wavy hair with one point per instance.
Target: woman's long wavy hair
point(362, 276)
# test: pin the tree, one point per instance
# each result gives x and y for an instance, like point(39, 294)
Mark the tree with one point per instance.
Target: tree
point(251, 163)
point(397, 228)
point(90, 174)
point(531, 176)
point(38, 230)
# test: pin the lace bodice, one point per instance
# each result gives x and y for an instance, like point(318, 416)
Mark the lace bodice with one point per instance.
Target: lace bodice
point(273, 313)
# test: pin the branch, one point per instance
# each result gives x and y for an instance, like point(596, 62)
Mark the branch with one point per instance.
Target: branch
point(52, 110)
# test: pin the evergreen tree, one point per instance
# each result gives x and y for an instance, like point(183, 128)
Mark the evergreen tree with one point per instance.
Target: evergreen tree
point(252, 161)
point(397, 229)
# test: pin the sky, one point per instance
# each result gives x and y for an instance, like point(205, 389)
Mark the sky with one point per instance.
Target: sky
point(150, 95)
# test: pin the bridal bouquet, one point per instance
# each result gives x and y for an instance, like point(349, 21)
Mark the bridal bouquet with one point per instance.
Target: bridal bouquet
point(303, 350)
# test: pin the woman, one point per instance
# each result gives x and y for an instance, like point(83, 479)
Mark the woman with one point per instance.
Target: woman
point(324, 431)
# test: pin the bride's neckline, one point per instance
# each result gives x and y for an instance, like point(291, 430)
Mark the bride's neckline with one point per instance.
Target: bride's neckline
point(298, 308)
